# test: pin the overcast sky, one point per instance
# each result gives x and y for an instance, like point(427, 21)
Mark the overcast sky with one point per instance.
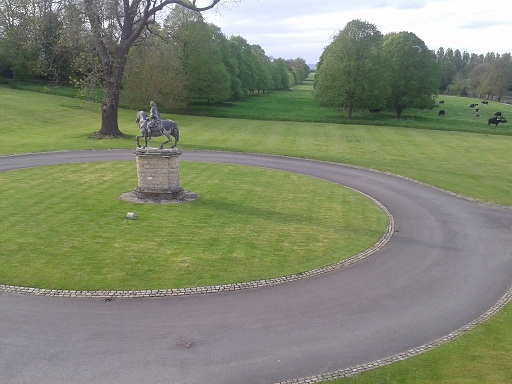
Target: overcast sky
point(303, 28)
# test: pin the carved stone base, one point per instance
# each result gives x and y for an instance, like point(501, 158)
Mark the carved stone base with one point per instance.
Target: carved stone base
point(158, 174)
point(158, 195)
point(184, 197)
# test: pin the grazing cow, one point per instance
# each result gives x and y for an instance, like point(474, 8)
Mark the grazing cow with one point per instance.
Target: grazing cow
point(472, 106)
point(441, 101)
point(485, 102)
point(441, 112)
point(497, 114)
point(495, 121)
point(375, 110)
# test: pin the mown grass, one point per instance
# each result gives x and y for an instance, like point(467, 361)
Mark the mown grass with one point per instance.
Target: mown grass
point(298, 105)
point(474, 164)
point(242, 228)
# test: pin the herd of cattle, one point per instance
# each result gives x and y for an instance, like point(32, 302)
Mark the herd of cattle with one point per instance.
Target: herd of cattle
point(498, 116)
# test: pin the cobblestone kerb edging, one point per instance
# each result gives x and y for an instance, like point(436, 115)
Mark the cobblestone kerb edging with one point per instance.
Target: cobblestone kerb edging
point(352, 371)
point(214, 288)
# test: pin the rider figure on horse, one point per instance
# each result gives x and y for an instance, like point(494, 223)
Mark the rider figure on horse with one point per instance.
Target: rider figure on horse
point(154, 117)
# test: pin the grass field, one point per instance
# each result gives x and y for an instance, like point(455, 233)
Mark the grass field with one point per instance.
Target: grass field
point(476, 165)
point(242, 227)
point(459, 153)
point(298, 105)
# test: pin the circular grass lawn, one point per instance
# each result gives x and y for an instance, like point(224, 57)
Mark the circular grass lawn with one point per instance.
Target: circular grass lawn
point(65, 227)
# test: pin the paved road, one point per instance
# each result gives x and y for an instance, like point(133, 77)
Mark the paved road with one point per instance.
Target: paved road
point(449, 262)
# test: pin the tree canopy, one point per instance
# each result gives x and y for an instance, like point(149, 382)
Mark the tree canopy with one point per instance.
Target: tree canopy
point(363, 69)
point(115, 28)
point(350, 72)
point(159, 50)
point(165, 51)
point(413, 75)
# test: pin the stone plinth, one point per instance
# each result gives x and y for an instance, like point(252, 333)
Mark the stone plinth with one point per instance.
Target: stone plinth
point(158, 174)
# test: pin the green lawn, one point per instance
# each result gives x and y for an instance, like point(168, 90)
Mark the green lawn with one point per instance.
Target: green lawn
point(445, 152)
point(472, 164)
point(299, 106)
point(242, 227)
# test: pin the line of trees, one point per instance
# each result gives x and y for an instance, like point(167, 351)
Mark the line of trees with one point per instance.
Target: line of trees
point(188, 59)
point(361, 68)
point(163, 50)
point(155, 49)
point(483, 76)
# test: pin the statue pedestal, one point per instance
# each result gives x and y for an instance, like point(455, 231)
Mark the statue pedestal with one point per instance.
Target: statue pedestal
point(158, 174)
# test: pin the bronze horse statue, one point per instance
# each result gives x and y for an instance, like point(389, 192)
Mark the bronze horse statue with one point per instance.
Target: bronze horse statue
point(149, 129)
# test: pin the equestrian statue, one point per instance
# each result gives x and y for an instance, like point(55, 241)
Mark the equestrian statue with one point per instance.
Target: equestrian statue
point(154, 126)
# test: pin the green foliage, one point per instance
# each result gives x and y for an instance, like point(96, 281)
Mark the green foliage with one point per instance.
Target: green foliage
point(232, 67)
point(206, 76)
point(263, 69)
point(244, 56)
point(413, 75)
point(31, 41)
point(497, 78)
point(360, 69)
point(154, 72)
point(191, 61)
point(351, 72)
point(299, 69)
point(488, 76)
point(280, 74)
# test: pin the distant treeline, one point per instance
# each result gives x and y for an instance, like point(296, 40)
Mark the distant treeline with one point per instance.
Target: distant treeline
point(476, 75)
point(180, 58)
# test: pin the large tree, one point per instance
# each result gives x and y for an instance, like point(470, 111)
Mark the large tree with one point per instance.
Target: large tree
point(246, 61)
point(496, 78)
point(30, 31)
point(155, 71)
point(414, 75)
point(116, 26)
point(192, 39)
point(225, 47)
point(263, 69)
point(351, 73)
point(280, 74)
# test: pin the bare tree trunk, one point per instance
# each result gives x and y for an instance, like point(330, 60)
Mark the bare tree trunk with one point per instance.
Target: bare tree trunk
point(110, 104)
point(136, 17)
point(109, 108)
point(350, 108)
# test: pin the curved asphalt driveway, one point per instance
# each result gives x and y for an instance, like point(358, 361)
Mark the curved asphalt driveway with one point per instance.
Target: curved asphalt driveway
point(448, 263)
